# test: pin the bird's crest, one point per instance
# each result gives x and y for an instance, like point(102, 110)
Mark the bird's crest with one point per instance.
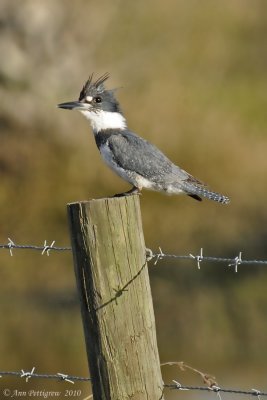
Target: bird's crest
point(92, 88)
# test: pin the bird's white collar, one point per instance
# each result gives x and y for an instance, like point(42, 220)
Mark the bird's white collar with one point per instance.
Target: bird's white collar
point(102, 120)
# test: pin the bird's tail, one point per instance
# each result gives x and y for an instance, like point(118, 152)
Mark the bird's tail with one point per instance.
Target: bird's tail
point(195, 190)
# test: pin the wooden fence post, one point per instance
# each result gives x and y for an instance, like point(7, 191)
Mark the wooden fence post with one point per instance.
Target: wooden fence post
point(118, 318)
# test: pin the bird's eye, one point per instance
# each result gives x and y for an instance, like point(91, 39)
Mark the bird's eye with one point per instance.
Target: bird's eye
point(97, 99)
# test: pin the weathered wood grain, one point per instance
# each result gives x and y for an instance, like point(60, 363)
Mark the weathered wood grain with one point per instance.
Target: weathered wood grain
point(114, 289)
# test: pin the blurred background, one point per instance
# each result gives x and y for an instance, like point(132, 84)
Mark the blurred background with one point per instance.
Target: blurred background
point(193, 81)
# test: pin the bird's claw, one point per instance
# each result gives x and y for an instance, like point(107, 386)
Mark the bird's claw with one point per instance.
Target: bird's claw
point(133, 190)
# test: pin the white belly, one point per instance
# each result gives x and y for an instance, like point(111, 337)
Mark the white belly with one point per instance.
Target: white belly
point(133, 177)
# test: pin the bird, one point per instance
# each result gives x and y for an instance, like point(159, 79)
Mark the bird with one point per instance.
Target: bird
point(133, 158)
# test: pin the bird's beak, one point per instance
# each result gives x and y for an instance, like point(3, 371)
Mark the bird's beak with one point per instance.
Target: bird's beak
point(73, 105)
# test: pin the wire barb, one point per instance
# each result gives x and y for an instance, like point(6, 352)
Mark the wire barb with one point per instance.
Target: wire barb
point(10, 244)
point(257, 393)
point(47, 248)
point(159, 256)
point(198, 258)
point(216, 389)
point(64, 377)
point(27, 374)
point(237, 261)
point(179, 385)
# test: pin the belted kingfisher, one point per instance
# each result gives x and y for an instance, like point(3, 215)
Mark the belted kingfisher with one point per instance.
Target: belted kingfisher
point(131, 157)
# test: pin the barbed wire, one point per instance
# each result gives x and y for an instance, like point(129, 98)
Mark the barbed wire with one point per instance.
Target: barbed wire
point(174, 386)
point(231, 262)
point(216, 389)
point(31, 374)
point(45, 248)
point(151, 255)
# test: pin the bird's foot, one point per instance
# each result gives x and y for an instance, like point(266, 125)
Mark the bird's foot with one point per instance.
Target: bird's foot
point(133, 190)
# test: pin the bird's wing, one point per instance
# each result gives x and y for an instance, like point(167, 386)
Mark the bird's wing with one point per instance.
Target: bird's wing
point(134, 153)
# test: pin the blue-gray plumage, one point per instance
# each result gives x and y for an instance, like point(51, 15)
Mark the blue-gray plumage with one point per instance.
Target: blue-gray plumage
point(133, 158)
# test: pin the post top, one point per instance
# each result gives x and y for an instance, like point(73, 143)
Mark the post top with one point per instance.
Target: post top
point(105, 199)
